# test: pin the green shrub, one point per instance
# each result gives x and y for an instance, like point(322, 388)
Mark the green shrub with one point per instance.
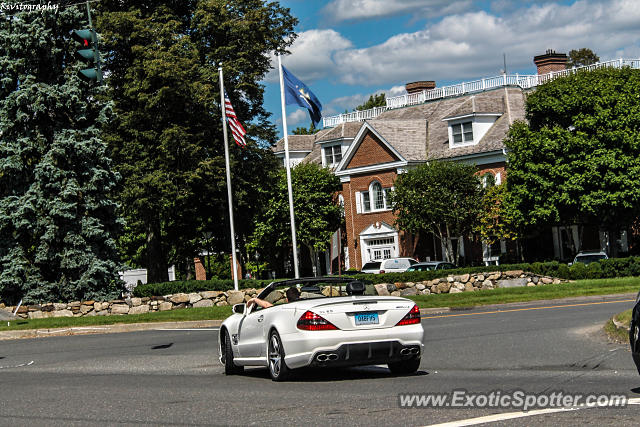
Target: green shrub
point(187, 286)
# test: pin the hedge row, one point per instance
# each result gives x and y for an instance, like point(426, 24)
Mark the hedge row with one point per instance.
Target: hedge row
point(615, 267)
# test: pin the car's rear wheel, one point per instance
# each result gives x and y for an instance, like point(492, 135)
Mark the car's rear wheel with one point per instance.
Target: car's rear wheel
point(278, 369)
point(405, 367)
point(230, 368)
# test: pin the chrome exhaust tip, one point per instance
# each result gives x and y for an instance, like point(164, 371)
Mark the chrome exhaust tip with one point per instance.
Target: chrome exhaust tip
point(332, 356)
point(321, 358)
point(415, 350)
point(404, 351)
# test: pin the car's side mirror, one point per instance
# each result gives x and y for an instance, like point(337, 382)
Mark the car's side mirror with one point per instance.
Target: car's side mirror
point(239, 308)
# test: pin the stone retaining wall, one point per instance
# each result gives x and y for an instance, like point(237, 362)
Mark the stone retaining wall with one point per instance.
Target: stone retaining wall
point(449, 284)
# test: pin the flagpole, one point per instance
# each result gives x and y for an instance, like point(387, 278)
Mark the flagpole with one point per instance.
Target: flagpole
point(286, 162)
point(229, 196)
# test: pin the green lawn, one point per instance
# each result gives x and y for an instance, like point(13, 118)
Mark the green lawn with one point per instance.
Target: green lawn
point(464, 299)
point(499, 296)
point(204, 313)
point(618, 334)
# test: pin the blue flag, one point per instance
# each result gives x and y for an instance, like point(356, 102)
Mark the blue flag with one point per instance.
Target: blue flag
point(296, 92)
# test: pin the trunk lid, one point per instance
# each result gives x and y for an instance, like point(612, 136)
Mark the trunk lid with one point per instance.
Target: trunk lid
point(362, 312)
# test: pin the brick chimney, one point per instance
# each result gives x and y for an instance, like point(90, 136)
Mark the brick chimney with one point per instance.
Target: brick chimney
point(550, 61)
point(420, 86)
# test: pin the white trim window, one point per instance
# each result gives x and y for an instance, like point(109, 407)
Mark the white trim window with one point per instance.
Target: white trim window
point(332, 155)
point(469, 129)
point(489, 180)
point(375, 199)
point(462, 133)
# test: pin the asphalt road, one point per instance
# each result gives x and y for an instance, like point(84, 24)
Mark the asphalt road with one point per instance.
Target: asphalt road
point(172, 377)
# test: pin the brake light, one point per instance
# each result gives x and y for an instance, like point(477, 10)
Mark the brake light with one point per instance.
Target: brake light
point(412, 317)
point(312, 322)
point(381, 271)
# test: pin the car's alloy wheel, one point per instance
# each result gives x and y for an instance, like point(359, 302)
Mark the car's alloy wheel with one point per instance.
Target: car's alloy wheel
point(230, 368)
point(277, 368)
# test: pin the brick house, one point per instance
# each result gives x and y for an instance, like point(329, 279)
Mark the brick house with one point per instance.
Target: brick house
point(467, 122)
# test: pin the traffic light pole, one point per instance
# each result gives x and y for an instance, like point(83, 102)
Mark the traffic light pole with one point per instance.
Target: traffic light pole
point(94, 38)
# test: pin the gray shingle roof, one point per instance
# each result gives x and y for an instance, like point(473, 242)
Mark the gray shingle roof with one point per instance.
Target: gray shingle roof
point(296, 143)
point(420, 132)
point(408, 137)
point(492, 101)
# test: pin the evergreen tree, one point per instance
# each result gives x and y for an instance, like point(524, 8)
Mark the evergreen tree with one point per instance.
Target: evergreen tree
point(379, 100)
point(57, 223)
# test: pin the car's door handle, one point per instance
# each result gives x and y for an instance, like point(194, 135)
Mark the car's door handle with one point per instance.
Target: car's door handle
point(261, 318)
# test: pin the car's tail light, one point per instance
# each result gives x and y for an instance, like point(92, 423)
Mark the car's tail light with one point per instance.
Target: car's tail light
point(312, 322)
point(381, 271)
point(412, 317)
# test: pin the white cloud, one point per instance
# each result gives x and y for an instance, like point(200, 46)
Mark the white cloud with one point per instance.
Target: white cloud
point(350, 102)
point(298, 116)
point(470, 45)
point(312, 55)
point(356, 10)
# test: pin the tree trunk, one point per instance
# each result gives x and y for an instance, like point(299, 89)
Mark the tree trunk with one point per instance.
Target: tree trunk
point(449, 247)
point(188, 265)
point(156, 264)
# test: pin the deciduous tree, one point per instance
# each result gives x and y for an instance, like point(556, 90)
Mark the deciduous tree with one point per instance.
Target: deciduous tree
point(577, 160)
point(443, 198)
point(317, 212)
point(580, 57)
point(162, 72)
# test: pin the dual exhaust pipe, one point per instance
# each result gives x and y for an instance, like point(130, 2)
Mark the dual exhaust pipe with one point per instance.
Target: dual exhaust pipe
point(326, 357)
point(408, 351)
point(330, 357)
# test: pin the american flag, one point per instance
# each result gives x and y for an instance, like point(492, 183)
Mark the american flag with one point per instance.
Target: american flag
point(237, 130)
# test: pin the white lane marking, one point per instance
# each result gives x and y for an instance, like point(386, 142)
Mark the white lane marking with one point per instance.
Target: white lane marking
point(56, 331)
point(188, 329)
point(514, 415)
point(17, 366)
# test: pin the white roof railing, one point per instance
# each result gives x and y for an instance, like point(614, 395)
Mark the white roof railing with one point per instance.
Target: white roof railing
point(524, 81)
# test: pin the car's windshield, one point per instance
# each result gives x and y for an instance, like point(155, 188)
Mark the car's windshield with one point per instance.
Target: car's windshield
point(590, 258)
point(372, 265)
point(421, 267)
point(316, 290)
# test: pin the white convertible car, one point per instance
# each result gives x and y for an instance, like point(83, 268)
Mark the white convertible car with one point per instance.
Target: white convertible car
point(322, 331)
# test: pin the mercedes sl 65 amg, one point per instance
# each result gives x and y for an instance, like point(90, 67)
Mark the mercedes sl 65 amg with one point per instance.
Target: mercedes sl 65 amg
point(322, 322)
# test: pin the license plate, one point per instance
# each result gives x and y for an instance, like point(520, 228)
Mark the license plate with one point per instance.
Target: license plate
point(366, 319)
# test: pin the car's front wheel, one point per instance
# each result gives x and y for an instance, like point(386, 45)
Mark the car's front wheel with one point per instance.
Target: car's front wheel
point(405, 367)
point(278, 370)
point(230, 368)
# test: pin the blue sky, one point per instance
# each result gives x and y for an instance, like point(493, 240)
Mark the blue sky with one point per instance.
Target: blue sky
point(347, 50)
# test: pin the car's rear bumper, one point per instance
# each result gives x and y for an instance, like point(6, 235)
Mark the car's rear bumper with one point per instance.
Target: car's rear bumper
point(372, 353)
point(351, 348)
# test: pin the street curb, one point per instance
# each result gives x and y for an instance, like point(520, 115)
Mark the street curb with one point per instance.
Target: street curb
point(108, 329)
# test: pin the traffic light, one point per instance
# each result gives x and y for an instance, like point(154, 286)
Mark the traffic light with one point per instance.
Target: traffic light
point(89, 52)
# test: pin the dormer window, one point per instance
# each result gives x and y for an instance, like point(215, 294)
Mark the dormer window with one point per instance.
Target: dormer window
point(332, 155)
point(462, 132)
